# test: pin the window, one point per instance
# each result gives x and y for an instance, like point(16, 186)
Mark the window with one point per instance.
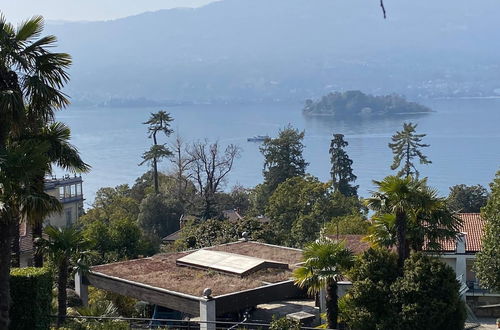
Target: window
point(67, 192)
point(61, 192)
point(78, 189)
point(69, 218)
point(73, 190)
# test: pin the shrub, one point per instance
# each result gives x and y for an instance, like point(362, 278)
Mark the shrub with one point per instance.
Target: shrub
point(425, 297)
point(284, 324)
point(366, 306)
point(30, 291)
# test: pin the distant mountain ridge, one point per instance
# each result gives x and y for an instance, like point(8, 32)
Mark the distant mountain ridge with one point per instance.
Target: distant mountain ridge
point(273, 50)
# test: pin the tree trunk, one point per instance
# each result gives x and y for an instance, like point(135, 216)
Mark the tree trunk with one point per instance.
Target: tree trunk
point(5, 244)
point(401, 239)
point(16, 250)
point(332, 307)
point(37, 223)
point(37, 233)
point(155, 169)
point(155, 176)
point(62, 282)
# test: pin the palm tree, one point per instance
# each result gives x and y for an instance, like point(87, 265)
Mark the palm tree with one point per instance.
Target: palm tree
point(411, 210)
point(64, 246)
point(158, 122)
point(397, 196)
point(324, 263)
point(31, 79)
point(19, 163)
point(61, 153)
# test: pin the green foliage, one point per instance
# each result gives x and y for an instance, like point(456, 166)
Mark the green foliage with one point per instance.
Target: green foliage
point(258, 198)
point(341, 171)
point(300, 206)
point(284, 324)
point(125, 306)
point(356, 103)
point(95, 325)
point(367, 306)
point(325, 261)
point(467, 199)
point(353, 224)
point(199, 234)
point(424, 297)
point(158, 122)
point(487, 264)
point(283, 157)
point(155, 154)
point(427, 295)
point(112, 228)
point(406, 146)
point(31, 294)
point(407, 213)
point(159, 215)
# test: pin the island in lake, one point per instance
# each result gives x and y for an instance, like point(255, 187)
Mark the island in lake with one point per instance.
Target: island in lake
point(357, 103)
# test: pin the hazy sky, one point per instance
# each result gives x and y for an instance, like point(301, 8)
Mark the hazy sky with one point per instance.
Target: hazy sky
point(91, 10)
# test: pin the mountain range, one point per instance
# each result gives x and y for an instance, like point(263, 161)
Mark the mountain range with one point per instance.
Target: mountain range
point(286, 50)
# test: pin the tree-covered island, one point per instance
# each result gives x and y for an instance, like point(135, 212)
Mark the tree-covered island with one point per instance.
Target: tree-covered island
point(356, 103)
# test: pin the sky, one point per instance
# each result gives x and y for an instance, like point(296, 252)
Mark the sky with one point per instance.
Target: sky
point(87, 10)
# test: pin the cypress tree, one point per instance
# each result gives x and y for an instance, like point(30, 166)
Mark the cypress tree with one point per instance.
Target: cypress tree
point(341, 171)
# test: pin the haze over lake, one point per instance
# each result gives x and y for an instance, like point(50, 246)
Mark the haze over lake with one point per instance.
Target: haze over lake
point(463, 134)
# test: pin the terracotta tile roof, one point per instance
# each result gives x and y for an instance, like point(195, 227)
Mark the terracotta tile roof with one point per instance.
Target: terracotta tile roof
point(473, 226)
point(352, 242)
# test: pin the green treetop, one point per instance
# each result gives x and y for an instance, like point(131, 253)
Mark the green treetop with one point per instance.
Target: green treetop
point(157, 122)
point(341, 171)
point(405, 147)
point(283, 157)
point(467, 199)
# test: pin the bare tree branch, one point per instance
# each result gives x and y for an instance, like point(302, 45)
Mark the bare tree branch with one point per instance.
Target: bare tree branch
point(209, 167)
point(383, 8)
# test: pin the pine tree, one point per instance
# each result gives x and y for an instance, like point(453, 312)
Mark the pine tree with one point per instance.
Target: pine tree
point(406, 146)
point(158, 122)
point(341, 171)
point(283, 157)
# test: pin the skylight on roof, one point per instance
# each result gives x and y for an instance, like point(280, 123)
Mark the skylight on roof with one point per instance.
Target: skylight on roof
point(227, 262)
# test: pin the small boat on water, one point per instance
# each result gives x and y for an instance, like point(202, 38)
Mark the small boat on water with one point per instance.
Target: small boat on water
point(258, 138)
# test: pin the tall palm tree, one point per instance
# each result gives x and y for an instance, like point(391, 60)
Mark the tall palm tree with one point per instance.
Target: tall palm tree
point(64, 247)
point(397, 196)
point(31, 79)
point(408, 207)
point(19, 163)
point(62, 153)
point(324, 263)
point(158, 122)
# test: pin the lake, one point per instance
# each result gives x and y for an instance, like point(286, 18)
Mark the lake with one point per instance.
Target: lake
point(464, 135)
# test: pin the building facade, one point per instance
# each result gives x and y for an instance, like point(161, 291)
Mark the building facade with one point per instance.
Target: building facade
point(68, 190)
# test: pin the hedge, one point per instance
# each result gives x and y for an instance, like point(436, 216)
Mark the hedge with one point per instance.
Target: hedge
point(31, 295)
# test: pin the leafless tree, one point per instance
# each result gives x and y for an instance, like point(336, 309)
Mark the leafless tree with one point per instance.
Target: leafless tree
point(181, 161)
point(210, 164)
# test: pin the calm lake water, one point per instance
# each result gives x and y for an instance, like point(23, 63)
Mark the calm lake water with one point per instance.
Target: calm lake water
point(464, 135)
